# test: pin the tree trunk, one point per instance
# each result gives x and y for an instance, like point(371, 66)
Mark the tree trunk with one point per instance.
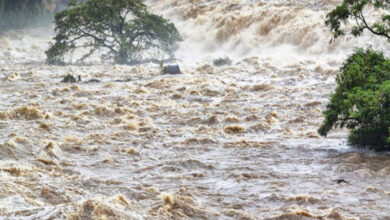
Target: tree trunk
point(122, 57)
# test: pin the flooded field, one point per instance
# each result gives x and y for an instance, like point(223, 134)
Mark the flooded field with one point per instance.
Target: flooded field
point(231, 142)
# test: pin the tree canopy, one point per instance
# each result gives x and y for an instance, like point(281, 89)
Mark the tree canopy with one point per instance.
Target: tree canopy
point(124, 29)
point(361, 101)
point(354, 10)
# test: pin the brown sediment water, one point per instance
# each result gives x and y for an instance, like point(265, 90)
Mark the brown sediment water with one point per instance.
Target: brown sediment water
point(231, 142)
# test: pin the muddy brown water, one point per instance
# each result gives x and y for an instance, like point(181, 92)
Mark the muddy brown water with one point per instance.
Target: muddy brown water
point(233, 142)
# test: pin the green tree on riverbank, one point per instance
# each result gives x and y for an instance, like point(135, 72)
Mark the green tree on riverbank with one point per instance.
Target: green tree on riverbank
point(124, 29)
point(361, 101)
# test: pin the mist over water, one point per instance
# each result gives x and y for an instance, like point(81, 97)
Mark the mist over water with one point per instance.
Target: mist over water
point(232, 142)
point(285, 32)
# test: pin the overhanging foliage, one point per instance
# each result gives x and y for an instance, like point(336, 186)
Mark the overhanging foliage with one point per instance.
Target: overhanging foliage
point(354, 10)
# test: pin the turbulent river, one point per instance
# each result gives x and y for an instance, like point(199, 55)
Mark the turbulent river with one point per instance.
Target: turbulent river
point(232, 142)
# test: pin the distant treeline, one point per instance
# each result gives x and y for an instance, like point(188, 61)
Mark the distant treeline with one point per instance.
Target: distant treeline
point(17, 14)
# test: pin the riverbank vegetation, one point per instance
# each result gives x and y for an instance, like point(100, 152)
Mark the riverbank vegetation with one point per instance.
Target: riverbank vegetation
point(17, 14)
point(361, 101)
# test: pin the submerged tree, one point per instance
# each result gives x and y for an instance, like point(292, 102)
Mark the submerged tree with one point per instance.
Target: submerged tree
point(124, 29)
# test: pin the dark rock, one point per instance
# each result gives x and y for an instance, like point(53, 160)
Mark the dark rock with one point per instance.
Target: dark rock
point(171, 69)
point(341, 181)
point(123, 80)
point(93, 81)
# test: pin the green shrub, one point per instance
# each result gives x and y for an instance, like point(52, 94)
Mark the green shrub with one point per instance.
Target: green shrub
point(222, 61)
point(361, 101)
point(69, 78)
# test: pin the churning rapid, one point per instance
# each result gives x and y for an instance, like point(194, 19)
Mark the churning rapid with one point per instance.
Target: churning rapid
point(233, 142)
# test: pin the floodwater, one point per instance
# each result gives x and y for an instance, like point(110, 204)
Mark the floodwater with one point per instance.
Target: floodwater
point(232, 142)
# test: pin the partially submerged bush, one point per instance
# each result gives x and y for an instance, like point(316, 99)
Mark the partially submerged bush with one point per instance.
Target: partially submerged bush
point(222, 61)
point(361, 101)
point(69, 78)
point(123, 28)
